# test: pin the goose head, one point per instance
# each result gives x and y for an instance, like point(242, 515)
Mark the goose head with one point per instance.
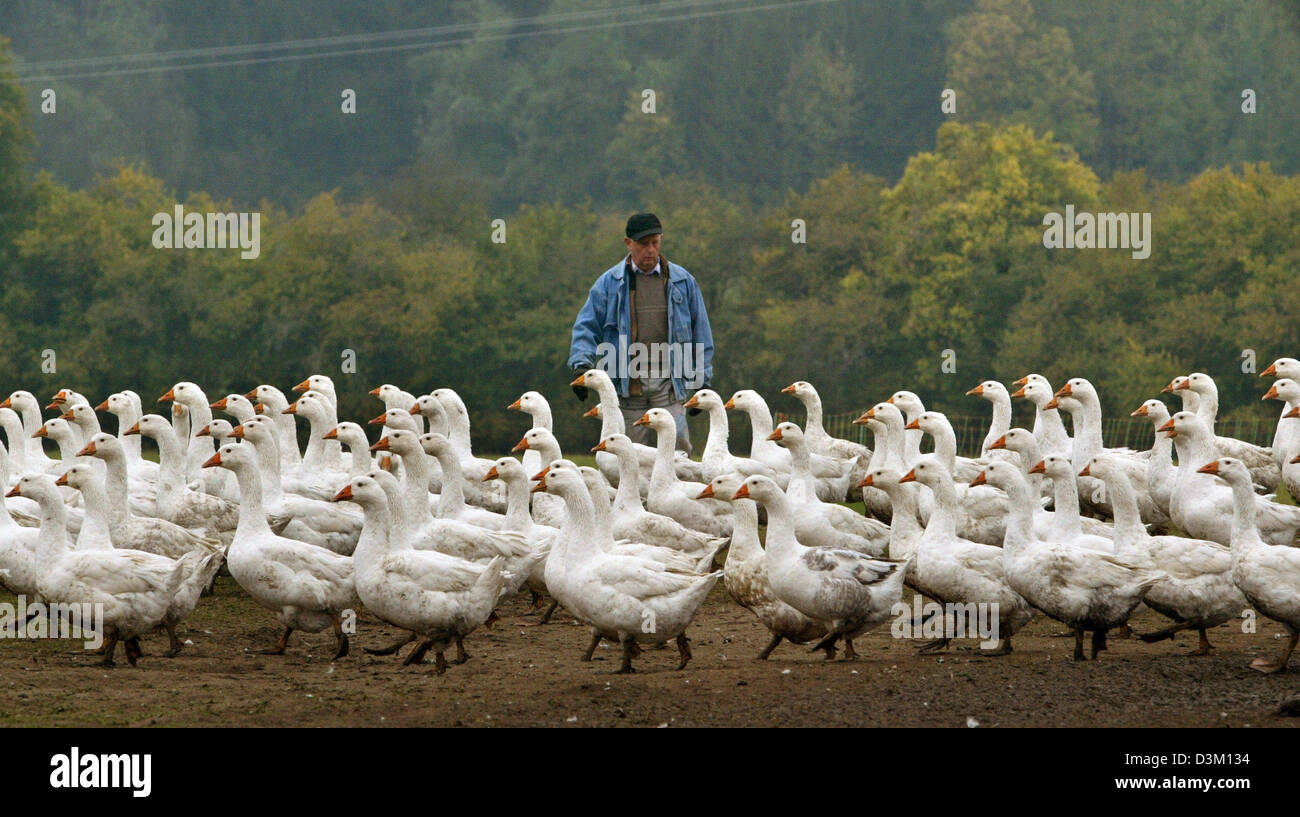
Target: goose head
point(619, 445)
point(319, 383)
point(886, 479)
point(187, 394)
point(269, 396)
point(531, 403)
point(540, 440)
point(930, 422)
point(787, 435)
point(78, 476)
point(151, 425)
point(103, 446)
point(1038, 392)
point(1185, 423)
point(1022, 442)
point(1076, 394)
point(68, 398)
point(908, 402)
point(760, 489)
point(990, 390)
point(658, 419)
point(929, 470)
point(1154, 410)
point(401, 441)
point(436, 444)
point(1230, 470)
point(561, 477)
point(57, 429)
point(803, 390)
point(508, 469)
point(723, 487)
point(1283, 367)
point(83, 416)
point(233, 457)
point(236, 405)
point(1032, 378)
point(119, 404)
point(38, 487)
point(1283, 389)
point(351, 435)
point(1055, 467)
point(311, 406)
point(597, 379)
point(431, 408)
point(451, 402)
point(396, 418)
point(1200, 383)
point(366, 492)
point(748, 401)
point(596, 483)
point(706, 399)
point(1002, 475)
point(219, 430)
point(392, 396)
point(1105, 467)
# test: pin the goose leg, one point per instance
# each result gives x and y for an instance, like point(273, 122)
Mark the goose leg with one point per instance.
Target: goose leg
point(771, 645)
point(416, 656)
point(1204, 646)
point(1004, 648)
point(1078, 644)
point(546, 617)
point(280, 645)
point(342, 639)
point(110, 646)
point(934, 646)
point(628, 644)
point(684, 648)
point(176, 646)
point(1098, 642)
point(1123, 631)
point(391, 648)
point(461, 655)
point(440, 663)
point(1278, 664)
point(828, 644)
point(849, 653)
point(536, 602)
point(132, 648)
point(591, 648)
point(1168, 632)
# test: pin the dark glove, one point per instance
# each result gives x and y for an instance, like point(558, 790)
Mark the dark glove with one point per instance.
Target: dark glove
point(580, 391)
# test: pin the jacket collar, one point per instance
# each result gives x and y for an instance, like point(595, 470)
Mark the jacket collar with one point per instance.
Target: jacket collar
point(675, 273)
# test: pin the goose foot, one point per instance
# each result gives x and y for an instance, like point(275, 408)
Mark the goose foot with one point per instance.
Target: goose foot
point(176, 645)
point(771, 645)
point(849, 653)
point(391, 648)
point(1204, 647)
point(1004, 648)
point(461, 655)
point(342, 639)
point(934, 646)
point(1122, 632)
point(110, 646)
point(591, 648)
point(132, 648)
point(627, 667)
point(684, 649)
point(491, 619)
point(1167, 632)
point(1098, 642)
point(439, 663)
point(280, 645)
point(1278, 664)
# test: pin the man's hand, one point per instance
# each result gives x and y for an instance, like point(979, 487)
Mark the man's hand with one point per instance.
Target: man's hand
point(579, 389)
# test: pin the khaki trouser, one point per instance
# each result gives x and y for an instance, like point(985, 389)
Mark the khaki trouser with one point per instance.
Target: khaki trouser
point(655, 394)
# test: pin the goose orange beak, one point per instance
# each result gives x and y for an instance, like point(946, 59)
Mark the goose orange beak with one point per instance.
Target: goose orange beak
point(776, 435)
point(135, 429)
point(251, 394)
point(491, 474)
point(867, 483)
point(600, 446)
point(1040, 467)
point(67, 415)
point(220, 405)
point(375, 391)
point(332, 434)
point(730, 404)
point(1055, 402)
point(292, 408)
point(168, 397)
point(62, 480)
point(980, 479)
point(910, 476)
point(1294, 412)
point(520, 446)
point(1209, 468)
point(580, 380)
point(8, 403)
point(914, 425)
point(1140, 411)
point(41, 432)
point(694, 401)
point(382, 445)
point(513, 406)
point(206, 431)
point(213, 461)
point(237, 432)
point(1295, 460)
point(1169, 387)
point(1087, 470)
point(594, 411)
point(346, 493)
point(14, 491)
point(743, 493)
point(377, 421)
point(1168, 426)
point(1021, 382)
point(304, 386)
point(1020, 392)
point(643, 420)
point(54, 405)
point(978, 390)
point(1271, 371)
point(1064, 391)
point(788, 389)
point(541, 474)
point(707, 493)
point(102, 406)
point(1000, 442)
point(1182, 385)
point(861, 420)
point(88, 451)
point(540, 487)
point(1271, 394)
point(414, 409)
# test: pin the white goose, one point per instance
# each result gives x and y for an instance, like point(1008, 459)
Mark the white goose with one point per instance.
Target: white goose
point(535, 406)
point(909, 403)
point(802, 482)
point(125, 406)
point(307, 586)
point(237, 406)
point(717, 458)
point(353, 437)
point(620, 597)
point(1084, 589)
point(547, 508)
point(16, 440)
point(17, 543)
point(764, 450)
point(954, 570)
point(272, 403)
point(1161, 473)
point(24, 403)
point(672, 496)
point(819, 523)
point(176, 502)
point(1286, 439)
point(745, 572)
point(1049, 430)
point(850, 593)
point(1198, 592)
point(438, 598)
point(451, 503)
point(1201, 506)
point(995, 393)
point(633, 521)
point(1261, 462)
point(135, 589)
point(820, 441)
point(1025, 445)
point(519, 519)
point(1269, 576)
point(1067, 525)
point(322, 387)
point(611, 422)
point(316, 462)
point(618, 536)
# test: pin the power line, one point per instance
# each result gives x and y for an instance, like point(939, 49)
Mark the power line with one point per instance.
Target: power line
point(687, 7)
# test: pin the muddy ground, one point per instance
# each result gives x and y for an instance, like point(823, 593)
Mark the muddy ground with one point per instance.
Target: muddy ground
point(522, 675)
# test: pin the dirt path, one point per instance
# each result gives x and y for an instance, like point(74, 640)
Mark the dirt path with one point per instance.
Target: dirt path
point(531, 676)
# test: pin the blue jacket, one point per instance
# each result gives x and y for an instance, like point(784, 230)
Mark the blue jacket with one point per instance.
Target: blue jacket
point(602, 331)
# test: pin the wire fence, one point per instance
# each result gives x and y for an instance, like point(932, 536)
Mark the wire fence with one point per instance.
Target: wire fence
point(1116, 432)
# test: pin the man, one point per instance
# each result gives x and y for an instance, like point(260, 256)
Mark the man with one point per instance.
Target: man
point(645, 324)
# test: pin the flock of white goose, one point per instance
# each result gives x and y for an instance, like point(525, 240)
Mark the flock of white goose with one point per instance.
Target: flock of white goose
point(424, 535)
